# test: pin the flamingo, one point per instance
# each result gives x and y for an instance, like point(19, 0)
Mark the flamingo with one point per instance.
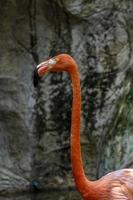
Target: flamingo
point(117, 185)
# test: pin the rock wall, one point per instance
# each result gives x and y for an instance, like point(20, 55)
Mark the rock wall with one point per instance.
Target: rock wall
point(35, 122)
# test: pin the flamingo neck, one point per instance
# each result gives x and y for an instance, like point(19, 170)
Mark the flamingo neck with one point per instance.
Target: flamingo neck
point(82, 183)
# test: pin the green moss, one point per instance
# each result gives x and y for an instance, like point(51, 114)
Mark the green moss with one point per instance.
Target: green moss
point(122, 120)
point(119, 135)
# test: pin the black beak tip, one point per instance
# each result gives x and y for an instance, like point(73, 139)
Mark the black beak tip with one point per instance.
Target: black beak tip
point(36, 78)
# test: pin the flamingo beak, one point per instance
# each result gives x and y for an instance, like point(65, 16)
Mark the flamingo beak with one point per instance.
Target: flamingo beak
point(41, 69)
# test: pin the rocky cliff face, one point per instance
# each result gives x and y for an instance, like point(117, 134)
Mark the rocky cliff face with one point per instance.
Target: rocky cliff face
point(35, 122)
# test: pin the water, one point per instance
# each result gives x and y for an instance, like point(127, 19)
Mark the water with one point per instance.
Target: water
point(65, 195)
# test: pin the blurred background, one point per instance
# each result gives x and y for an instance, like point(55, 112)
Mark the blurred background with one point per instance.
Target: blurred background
point(35, 122)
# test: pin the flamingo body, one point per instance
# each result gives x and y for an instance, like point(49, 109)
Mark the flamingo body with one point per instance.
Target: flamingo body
point(117, 185)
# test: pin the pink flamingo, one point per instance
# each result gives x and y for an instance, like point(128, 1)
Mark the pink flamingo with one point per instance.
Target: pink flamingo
point(117, 185)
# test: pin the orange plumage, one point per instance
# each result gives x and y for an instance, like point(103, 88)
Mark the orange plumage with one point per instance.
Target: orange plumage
point(116, 185)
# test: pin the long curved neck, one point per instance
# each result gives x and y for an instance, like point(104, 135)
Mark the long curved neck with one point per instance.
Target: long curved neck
point(81, 181)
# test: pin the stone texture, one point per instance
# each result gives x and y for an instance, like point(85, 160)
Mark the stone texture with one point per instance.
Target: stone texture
point(35, 122)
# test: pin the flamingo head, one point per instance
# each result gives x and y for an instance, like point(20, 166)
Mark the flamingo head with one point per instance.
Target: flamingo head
point(60, 62)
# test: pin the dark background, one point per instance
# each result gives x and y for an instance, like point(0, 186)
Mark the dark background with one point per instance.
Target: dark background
point(35, 122)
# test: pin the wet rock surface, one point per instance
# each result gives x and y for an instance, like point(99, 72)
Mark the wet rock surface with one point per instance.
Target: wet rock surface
point(35, 122)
